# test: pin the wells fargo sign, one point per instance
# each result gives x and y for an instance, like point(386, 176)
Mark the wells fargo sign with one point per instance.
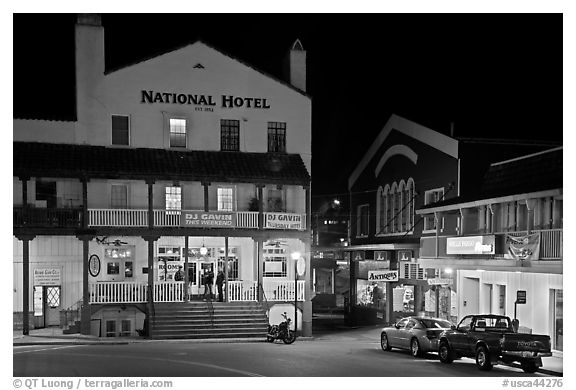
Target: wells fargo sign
point(207, 219)
point(284, 221)
point(470, 245)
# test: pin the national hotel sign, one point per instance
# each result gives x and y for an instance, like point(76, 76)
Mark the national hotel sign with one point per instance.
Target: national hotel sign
point(203, 102)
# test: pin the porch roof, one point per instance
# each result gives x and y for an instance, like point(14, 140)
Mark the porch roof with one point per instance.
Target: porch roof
point(35, 159)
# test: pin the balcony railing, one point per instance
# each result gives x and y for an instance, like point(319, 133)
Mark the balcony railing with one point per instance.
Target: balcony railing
point(173, 218)
point(47, 217)
point(135, 292)
point(551, 241)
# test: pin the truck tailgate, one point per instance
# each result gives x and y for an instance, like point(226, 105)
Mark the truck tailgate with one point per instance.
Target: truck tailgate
point(526, 342)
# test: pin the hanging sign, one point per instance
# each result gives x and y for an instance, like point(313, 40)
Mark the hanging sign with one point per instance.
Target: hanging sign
point(94, 265)
point(440, 281)
point(383, 276)
point(212, 219)
point(470, 245)
point(301, 266)
point(286, 221)
point(47, 277)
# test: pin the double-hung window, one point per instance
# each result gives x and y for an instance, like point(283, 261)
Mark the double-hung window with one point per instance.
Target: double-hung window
point(120, 130)
point(229, 135)
point(177, 133)
point(225, 199)
point(173, 198)
point(277, 137)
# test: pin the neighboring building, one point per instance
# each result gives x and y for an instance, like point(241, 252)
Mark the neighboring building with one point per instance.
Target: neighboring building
point(189, 158)
point(407, 167)
point(503, 245)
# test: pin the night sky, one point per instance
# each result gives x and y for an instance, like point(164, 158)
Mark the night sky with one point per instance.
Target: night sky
point(494, 76)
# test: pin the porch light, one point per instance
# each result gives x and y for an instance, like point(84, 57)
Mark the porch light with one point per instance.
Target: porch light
point(295, 255)
point(203, 250)
point(448, 270)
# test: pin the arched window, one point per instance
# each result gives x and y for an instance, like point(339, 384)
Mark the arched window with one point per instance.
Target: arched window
point(395, 207)
point(409, 210)
point(400, 218)
point(387, 213)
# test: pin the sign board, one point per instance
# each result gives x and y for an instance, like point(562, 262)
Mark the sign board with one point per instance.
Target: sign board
point(213, 219)
point(470, 245)
point(47, 277)
point(94, 265)
point(440, 281)
point(358, 255)
point(520, 296)
point(382, 255)
point(404, 255)
point(301, 266)
point(286, 221)
point(383, 276)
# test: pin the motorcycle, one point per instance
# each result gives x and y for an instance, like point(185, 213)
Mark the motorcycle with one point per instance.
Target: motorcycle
point(281, 331)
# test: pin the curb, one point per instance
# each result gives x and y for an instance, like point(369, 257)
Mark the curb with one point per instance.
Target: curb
point(540, 370)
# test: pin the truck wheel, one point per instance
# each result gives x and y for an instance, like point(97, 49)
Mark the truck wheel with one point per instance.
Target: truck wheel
point(529, 367)
point(384, 342)
point(444, 353)
point(415, 348)
point(483, 359)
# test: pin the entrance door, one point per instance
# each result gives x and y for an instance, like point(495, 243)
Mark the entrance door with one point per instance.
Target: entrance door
point(53, 305)
point(203, 268)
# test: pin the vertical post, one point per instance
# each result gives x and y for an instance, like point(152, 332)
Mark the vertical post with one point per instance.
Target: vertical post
point(150, 289)
point(295, 295)
point(150, 203)
point(25, 283)
point(206, 200)
point(309, 211)
point(260, 207)
point(225, 269)
point(530, 206)
point(85, 217)
point(437, 221)
point(85, 313)
point(24, 200)
point(186, 277)
point(260, 260)
point(437, 293)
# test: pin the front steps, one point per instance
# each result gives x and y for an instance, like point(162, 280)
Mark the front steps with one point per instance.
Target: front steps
point(209, 320)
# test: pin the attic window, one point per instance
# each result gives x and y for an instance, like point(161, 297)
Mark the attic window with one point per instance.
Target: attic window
point(198, 66)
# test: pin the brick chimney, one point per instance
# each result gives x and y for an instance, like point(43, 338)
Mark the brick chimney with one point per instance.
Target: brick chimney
point(295, 66)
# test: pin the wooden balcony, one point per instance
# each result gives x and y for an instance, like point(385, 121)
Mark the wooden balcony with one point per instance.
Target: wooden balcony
point(174, 218)
point(47, 217)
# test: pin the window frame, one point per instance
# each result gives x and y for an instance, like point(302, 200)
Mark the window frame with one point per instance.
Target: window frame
point(227, 138)
point(177, 118)
point(359, 232)
point(129, 130)
point(427, 228)
point(171, 209)
point(232, 200)
point(277, 133)
point(126, 187)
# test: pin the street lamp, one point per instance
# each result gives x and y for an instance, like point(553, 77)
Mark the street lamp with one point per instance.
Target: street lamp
point(295, 257)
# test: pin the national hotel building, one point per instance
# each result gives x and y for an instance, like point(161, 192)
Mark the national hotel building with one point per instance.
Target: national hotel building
point(190, 158)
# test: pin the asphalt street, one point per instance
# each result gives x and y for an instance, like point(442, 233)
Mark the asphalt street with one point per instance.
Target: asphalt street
point(345, 354)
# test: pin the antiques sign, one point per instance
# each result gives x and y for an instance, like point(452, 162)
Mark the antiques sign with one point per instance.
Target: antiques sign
point(284, 221)
point(207, 219)
point(470, 245)
point(383, 276)
point(47, 277)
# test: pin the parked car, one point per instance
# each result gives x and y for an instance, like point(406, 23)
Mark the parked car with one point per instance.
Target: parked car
point(492, 339)
point(418, 334)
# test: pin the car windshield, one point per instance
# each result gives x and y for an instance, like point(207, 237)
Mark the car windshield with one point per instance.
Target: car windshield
point(430, 323)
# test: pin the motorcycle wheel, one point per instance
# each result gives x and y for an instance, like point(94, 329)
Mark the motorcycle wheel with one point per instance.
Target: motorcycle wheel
point(289, 337)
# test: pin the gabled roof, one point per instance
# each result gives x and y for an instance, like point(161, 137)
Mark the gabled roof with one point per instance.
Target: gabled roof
point(423, 134)
point(34, 159)
point(200, 42)
point(535, 173)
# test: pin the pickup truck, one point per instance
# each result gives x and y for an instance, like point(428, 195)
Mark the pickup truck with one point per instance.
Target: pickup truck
point(492, 339)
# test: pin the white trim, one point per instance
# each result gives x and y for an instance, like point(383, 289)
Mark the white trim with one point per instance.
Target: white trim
point(395, 150)
point(423, 134)
point(526, 157)
point(484, 202)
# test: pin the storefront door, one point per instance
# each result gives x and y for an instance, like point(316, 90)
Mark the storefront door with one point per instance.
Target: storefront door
point(203, 268)
point(53, 305)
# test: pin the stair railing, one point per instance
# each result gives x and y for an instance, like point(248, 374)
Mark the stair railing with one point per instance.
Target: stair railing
point(71, 314)
point(265, 299)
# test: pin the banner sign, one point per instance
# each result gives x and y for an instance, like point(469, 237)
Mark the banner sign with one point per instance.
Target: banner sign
point(440, 281)
point(208, 219)
point(284, 221)
point(47, 277)
point(470, 245)
point(383, 276)
point(524, 248)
